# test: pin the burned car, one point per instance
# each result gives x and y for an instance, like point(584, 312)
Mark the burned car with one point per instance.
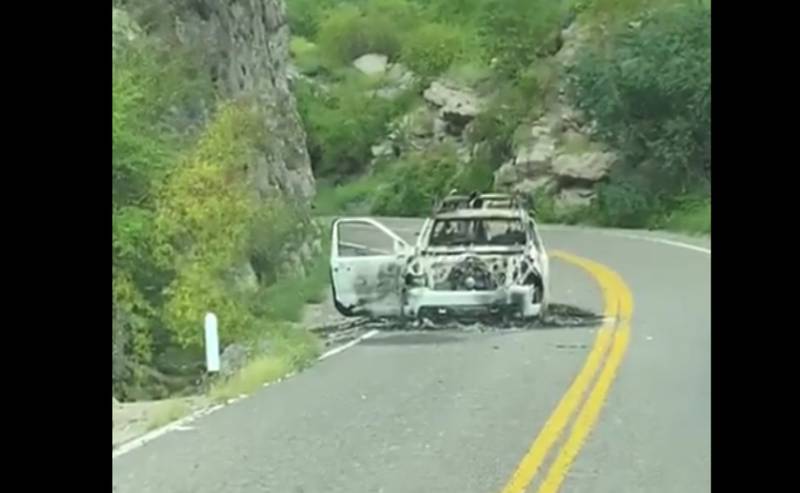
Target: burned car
point(471, 258)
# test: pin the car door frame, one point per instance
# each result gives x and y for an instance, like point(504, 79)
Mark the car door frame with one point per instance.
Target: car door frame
point(348, 274)
point(544, 257)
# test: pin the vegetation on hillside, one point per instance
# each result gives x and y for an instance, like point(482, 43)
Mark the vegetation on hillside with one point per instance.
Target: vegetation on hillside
point(184, 221)
point(645, 80)
point(650, 92)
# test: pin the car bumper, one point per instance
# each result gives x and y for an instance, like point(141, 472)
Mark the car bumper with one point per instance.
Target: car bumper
point(515, 300)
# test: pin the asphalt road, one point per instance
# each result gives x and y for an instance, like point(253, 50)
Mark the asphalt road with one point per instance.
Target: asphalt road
point(457, 412)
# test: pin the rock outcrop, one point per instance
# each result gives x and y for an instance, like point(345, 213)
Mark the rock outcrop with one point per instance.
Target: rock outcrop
point(557, 157)
point(587, 166)
point(556, 154)
point(457, 106)
point(245, 44)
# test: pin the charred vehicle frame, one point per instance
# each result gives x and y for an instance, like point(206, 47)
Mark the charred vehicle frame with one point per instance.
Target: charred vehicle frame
point(476, 255)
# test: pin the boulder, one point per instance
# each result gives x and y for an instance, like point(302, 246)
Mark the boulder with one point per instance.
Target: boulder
point(232, 359)
point(441, 128)
point(588, 166)
point(457, 106)
point(536, 157)
point(371, 64)
point(398, 80)
point(544, 184)
point(384, 149)
point(506, 175)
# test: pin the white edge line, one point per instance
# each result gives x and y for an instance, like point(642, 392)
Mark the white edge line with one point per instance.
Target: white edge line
point(152, 435)
point(664, 241)
point(180, 425)
point(348, 345)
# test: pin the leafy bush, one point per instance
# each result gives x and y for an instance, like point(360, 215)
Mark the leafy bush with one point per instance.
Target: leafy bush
point(651, 97)
point(304, 15)
point(352, 198)
point(432, 48)
point(626, 206)
point(411, 186)
point(513, 32)
point(691, 215)
point(343, 125)
point(347, 32)
point(473, 73)
point(649, 92)
point(306, 56)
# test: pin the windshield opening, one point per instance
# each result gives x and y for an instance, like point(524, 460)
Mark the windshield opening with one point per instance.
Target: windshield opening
point(477, 232)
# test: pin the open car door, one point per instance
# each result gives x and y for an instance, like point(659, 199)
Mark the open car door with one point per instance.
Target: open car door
point(367, 263)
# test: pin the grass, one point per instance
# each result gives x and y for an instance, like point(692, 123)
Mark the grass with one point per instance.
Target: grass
point(285, 300)
point(574, 143)
point(694, 218)
point(291, 349)
point(167, 412)
point(470, 74)
point(261, 370)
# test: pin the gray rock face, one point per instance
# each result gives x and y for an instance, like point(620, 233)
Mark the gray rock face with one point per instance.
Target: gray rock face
point(123, 29)
point(371, 64)
point(246, 47)
point(232, 359)
point(457, 106)
point(506, 175)
point(536, 158)
point(384, 149)
point(554, 155)
point(588, 166)
point(543, 184)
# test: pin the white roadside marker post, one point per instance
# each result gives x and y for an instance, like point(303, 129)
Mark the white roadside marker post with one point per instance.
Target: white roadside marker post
point(212, 343)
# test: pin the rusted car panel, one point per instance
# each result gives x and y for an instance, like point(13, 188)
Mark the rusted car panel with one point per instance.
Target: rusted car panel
point(466, 260)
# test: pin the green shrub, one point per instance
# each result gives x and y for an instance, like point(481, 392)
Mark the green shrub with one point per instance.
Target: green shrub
point(651, 95)
point(688, 215)
point(431, 48)
point(306, 56)
point(304, 15)
point(626, 206)
point(473, 73)
point(649, 92)
point(347, 32)
point(346, 198)
point(513, 32)
point(343, 125)
point(475, 175)
point(412, 186)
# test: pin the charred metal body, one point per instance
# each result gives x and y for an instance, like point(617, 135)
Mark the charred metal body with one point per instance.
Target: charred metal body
point(480, 254)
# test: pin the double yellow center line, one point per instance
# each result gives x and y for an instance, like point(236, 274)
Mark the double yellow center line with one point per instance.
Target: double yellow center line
point(609, 348)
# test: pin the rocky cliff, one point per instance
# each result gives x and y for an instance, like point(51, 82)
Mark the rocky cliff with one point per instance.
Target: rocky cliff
point(243, 45)
point(246, 43)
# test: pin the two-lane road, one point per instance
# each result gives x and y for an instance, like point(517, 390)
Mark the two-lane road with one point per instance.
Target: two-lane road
point(466, 412)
